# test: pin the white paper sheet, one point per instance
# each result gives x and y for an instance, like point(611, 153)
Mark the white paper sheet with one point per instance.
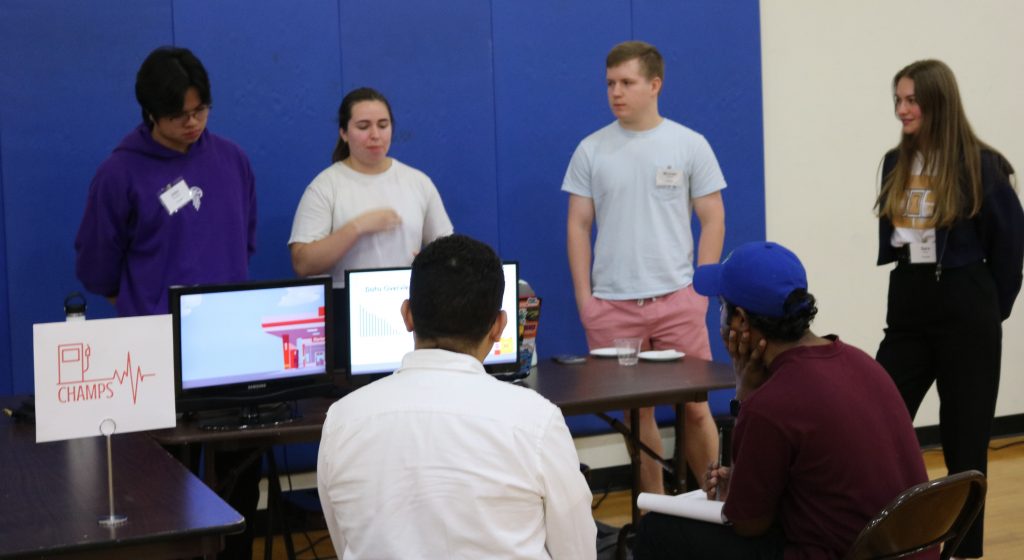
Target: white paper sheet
point(89, 371)
point(692, 505)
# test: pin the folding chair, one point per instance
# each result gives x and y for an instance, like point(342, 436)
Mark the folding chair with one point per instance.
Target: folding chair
point(927, 515)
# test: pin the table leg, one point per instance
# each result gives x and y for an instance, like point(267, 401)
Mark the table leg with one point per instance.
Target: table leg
point(634, 460)
point(210, 467)
point(679, 455)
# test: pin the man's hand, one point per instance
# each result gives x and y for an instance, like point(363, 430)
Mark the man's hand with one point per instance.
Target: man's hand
point(581, 301)
point(747, 361)
point(716, 482)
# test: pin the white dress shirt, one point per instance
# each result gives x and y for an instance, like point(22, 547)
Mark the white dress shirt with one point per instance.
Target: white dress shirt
point(440, 460)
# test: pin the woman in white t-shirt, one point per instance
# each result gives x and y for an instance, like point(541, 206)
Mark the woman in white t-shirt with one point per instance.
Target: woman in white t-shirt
point(367, 210)
point(950, 219)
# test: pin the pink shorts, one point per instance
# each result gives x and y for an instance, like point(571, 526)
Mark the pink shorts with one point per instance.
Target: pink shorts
point(673, 321)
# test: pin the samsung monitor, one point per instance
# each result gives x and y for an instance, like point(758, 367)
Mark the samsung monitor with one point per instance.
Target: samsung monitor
point(376, 333)
point(247, 344)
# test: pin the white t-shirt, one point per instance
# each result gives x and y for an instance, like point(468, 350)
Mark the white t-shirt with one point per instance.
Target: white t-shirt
point(339, 194)
point(641, 184)
point(441, 460)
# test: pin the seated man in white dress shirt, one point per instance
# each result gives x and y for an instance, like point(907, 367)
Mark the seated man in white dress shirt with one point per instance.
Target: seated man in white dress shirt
point(441, 460)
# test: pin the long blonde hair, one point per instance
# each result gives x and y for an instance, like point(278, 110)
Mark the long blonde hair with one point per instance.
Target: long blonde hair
point(951, 152)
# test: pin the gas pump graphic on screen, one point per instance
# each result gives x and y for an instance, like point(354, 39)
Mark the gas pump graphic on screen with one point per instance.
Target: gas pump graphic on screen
point(303, 338)
point(72, 362)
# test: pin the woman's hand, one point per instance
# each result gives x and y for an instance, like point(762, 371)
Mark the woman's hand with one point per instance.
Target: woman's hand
point(377, 220)
point(319, 257)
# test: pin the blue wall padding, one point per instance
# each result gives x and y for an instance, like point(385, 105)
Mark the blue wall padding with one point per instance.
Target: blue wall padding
point(67, 96)
point(550, 93)
point(6, 381)
point(490, 100)
point(434, 62)
point(276, 91)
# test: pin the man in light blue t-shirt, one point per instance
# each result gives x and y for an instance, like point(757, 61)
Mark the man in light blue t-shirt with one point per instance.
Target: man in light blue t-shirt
point(641, 177)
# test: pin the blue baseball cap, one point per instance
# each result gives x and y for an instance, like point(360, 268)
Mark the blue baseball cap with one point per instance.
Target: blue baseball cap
point(756, 276)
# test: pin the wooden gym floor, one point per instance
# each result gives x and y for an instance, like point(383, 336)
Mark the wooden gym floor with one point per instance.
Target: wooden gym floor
point(1004, 514)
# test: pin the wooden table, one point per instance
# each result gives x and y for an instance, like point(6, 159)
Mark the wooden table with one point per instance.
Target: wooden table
point(54, 493)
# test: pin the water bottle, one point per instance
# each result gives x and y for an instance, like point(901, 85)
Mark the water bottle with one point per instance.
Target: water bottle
point(74, 307)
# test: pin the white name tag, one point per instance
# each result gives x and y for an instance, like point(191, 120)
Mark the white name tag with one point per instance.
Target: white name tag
point(669, 178)
point(923, 252)
point(175, 196)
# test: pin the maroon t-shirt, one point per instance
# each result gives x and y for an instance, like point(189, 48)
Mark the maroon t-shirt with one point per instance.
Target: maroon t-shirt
point(823, 445)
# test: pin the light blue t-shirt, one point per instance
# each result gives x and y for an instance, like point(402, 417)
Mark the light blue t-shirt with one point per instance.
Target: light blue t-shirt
point(644, 245)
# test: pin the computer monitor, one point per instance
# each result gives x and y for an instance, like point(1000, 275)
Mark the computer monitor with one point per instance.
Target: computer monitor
point(246, 344)
point(376, 333)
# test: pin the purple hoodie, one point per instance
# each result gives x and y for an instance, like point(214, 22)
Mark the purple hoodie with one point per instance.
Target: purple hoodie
point(128, 246)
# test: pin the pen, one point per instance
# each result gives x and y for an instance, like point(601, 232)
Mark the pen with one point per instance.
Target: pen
point(718, 485)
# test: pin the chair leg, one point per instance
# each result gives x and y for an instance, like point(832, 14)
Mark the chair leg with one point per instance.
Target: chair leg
point(622, 544)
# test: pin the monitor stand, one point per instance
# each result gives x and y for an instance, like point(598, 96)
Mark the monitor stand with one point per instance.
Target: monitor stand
point(249, 417)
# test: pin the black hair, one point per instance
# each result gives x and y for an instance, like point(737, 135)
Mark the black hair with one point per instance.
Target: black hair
point(799, 311)
point(455, 291)
point(164, 78)
point(345, 114)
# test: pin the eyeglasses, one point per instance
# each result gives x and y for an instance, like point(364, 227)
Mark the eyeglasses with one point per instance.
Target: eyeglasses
point(200, 113)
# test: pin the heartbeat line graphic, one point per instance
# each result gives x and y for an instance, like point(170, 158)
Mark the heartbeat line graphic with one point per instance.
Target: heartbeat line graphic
point(134, 379)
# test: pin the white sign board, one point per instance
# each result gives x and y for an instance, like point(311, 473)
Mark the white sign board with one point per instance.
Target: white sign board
point(89, 371)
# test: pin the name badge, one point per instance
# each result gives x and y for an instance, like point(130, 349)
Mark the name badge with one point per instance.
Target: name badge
point(669, 178)
point(175, 196)
point(923, 252)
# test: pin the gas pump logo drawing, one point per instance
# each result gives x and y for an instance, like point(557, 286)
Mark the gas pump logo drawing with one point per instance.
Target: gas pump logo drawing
point(76, 386)
point(72, 362)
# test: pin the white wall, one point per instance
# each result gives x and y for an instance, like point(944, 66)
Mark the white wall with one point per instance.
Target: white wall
point(827, 69)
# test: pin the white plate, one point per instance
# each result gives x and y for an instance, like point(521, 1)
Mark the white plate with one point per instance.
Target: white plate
point(611, 352)
point(661, 355)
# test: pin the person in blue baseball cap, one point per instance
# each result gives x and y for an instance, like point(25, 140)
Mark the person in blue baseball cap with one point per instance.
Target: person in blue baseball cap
point(809, 468)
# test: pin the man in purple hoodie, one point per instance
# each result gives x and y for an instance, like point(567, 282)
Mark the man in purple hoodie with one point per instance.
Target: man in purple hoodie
point(174, 203)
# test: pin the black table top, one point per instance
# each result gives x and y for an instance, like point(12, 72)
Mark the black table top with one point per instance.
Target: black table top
point(602, 385)
point(598, 385)
point(54, 493)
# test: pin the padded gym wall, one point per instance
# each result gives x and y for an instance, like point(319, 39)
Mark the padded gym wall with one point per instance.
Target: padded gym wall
point(490, 99)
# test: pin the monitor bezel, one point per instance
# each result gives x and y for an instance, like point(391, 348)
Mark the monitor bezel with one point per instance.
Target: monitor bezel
point(248, 393)
point(499, 369)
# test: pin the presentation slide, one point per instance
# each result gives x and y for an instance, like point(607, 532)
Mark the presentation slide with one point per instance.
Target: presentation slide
point(377, 333)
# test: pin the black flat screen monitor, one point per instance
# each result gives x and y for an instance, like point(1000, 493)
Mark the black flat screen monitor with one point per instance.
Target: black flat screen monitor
point(242, 345)
point(376, 333)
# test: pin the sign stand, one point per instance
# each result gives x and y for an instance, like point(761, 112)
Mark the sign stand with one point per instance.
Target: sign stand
point(107, 428)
